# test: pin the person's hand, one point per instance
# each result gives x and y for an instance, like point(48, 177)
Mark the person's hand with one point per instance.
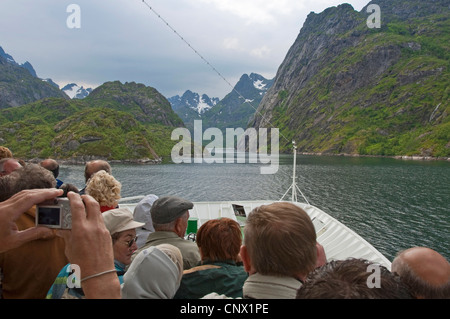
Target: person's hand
point(10, 211)
point(89, 245)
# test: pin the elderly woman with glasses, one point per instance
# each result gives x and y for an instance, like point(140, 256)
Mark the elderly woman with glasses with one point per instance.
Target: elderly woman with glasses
point(122, 228)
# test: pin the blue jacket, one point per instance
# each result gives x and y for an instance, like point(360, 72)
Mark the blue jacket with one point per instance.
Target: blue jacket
point(59, 287)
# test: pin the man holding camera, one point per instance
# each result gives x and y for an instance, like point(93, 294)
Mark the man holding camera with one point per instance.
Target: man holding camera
point(88, 234)
point(29, 270)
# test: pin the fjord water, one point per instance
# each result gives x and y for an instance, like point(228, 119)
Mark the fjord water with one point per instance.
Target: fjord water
point(393, 204)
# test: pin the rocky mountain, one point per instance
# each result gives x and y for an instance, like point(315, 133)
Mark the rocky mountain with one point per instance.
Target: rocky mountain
point(237, 107)
point(75, 91)
point(116, 122)
point(192, 106)
point(50, 81)
point(145, 103)
point(27, 65)
point(19, 83)
point(192, 101)
point(233, 111)
point(346, 88)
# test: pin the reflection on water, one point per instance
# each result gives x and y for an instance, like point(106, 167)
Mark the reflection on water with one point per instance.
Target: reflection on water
point(393, 204)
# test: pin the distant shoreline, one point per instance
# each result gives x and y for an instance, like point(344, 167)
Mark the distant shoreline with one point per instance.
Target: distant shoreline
point(147, 161)
point(71, 161)
point(401, 157)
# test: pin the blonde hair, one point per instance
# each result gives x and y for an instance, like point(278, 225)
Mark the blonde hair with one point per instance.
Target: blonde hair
point(104, 188)
point(280, 240)
point(5, 152)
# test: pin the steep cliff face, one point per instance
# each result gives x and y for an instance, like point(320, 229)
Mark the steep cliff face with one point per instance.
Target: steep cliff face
point(347, 88)
point(19, 84)
point(317, 43)
point(236, 109)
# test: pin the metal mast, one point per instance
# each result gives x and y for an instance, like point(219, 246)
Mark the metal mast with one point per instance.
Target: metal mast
point(294, 186)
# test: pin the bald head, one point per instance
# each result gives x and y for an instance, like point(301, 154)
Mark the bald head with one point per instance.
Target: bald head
point(8, 165)
point(51, 165)
point(426, 271)
point(95, 166)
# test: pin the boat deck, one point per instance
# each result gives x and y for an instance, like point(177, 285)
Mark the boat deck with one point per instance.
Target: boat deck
point(339, 241)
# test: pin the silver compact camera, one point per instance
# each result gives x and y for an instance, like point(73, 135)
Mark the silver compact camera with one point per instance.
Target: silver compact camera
point(54, 215)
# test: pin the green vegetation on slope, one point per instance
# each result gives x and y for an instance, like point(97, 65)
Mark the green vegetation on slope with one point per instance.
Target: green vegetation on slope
point(92, 128)
point(402, 110)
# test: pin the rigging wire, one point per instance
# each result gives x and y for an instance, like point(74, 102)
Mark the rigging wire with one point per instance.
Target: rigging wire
point(294, 186)
point(210, 65)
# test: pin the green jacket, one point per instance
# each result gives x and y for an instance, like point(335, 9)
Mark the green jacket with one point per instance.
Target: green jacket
point(224, 278)
point(189, 249)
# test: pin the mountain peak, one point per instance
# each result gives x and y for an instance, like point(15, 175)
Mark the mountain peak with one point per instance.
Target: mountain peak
point(75, 91)
point(19, 83)
point(193, 101)
point(144, 102)
point(251, 87)
point(259, 82)
point(234, 110)
point(9, 59)
point(6, 56)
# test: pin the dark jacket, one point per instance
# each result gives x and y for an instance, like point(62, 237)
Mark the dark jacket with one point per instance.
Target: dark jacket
point(224, 278)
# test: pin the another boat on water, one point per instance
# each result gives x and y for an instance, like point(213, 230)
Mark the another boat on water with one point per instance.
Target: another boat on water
point(339, 241)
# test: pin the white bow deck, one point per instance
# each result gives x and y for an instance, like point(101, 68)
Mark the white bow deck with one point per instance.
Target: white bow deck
point(339, 241)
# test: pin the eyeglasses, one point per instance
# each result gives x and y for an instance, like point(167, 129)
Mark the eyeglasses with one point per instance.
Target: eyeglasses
point(130, 242)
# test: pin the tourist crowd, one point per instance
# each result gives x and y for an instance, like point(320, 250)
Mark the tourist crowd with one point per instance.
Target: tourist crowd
point(113, 252)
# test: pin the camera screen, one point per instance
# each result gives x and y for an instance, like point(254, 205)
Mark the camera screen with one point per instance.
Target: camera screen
point(49, 216)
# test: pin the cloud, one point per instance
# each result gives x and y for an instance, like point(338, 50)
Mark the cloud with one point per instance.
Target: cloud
point(260, 52)
point(124, 40)
point(231, 43)
point(256, 11)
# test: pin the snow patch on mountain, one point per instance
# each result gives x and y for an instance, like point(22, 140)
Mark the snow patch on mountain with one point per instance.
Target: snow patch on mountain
point(203, 106)
point(259, 84)
point(76, 92)
point(194, 101)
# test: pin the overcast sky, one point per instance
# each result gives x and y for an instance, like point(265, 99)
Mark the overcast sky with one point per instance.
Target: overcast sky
point(124, 40)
